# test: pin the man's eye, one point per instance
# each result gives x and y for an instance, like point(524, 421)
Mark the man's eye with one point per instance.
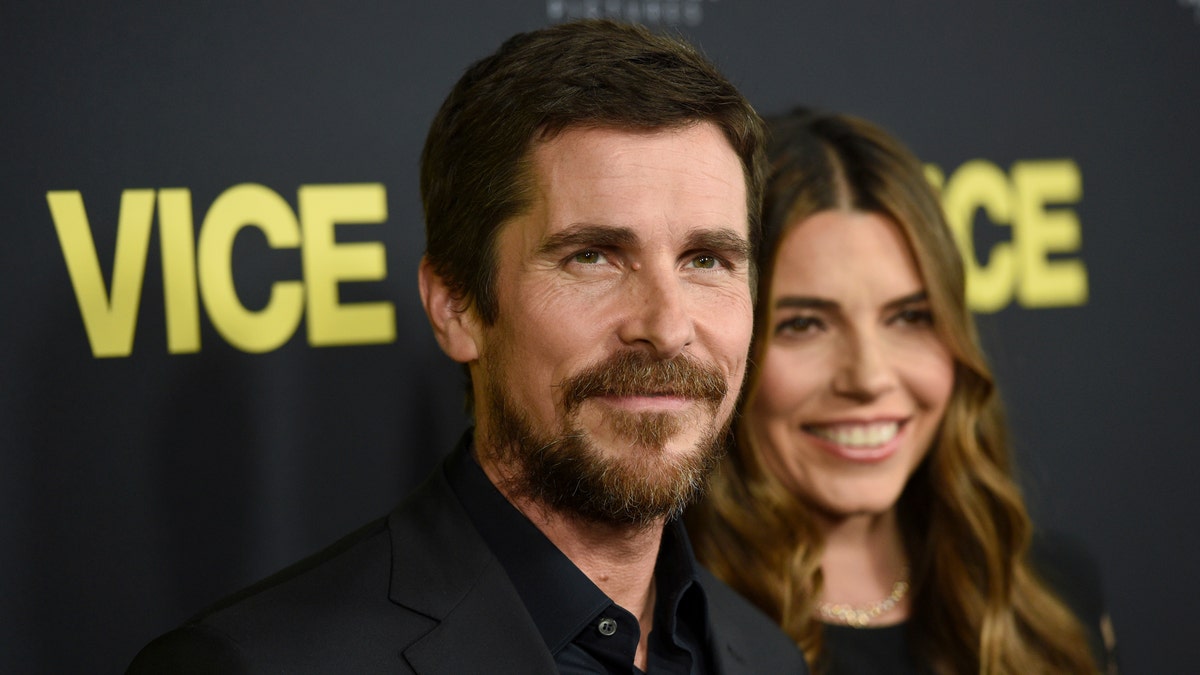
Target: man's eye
point(588, 257)
point(706, 262)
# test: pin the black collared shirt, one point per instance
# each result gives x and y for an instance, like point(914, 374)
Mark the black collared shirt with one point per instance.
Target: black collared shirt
point(584, 630)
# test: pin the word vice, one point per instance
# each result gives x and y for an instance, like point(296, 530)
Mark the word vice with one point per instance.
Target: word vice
point(199, 269)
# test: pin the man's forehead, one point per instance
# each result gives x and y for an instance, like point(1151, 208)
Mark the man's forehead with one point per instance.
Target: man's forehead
point(619, 178)
point(572, 140)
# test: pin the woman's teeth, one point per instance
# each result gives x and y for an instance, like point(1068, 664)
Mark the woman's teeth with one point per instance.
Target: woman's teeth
point(857, 435)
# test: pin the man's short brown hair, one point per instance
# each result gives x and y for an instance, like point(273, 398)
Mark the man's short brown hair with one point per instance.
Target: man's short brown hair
point(475, 171)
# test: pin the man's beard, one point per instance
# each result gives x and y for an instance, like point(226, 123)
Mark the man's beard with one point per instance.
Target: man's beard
point(640, 486)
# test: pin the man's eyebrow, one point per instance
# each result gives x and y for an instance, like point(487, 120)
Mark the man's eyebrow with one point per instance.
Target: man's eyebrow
point(587, 234)
point(721, 240)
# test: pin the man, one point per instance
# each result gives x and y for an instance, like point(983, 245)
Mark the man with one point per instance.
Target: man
point(591, 197)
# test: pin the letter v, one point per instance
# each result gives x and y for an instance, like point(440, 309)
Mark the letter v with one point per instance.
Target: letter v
point(108, 318)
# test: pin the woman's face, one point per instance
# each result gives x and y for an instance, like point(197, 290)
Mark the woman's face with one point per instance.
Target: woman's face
point(854, 380)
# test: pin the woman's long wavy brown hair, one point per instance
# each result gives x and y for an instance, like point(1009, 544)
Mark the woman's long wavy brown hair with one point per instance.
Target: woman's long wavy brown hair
point(977, 605)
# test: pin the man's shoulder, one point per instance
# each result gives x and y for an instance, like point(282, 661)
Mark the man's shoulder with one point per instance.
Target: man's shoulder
point(357, 572)
point(327, 607)
point(750, 641)
point(301, 615)
point(337, 604)
point(344, 573)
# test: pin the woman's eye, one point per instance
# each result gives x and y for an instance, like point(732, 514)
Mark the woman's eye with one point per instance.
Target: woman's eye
point(915, 317)
point(797, 325)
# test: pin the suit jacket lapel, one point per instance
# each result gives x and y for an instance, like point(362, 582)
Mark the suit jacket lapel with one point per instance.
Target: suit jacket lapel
point(489, 631)
point(744, 641)
point(441, 568)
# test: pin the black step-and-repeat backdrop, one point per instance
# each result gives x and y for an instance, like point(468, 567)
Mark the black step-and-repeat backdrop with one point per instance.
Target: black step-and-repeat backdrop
point(213, 356)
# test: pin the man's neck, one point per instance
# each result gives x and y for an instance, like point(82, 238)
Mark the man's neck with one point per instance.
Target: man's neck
point(619, 559)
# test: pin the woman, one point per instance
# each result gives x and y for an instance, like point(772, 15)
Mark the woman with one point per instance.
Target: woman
point(870, 507)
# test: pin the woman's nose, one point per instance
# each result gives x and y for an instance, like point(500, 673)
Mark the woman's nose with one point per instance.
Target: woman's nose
point(866, 371)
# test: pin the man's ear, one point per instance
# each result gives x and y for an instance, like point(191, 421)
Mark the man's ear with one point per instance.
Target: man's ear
point(457, 328)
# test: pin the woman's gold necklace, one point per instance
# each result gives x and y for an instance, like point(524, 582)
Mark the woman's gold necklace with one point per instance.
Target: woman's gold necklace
point(859, 617)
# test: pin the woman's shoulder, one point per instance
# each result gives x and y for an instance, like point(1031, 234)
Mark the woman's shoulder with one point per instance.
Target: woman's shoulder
point(1066, 565)
point(1070, 570)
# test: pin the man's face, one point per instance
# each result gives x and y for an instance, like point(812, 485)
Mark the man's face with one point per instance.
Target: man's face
point(607, 382)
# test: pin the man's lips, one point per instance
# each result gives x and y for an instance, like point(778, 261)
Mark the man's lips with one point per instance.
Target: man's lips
point(648, 402)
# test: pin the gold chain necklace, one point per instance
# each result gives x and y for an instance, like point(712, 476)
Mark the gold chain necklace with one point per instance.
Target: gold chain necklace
point(858, 617)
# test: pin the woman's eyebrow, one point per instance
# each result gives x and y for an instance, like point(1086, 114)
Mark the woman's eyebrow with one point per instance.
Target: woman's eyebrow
point(804, 302)
point(910, 299)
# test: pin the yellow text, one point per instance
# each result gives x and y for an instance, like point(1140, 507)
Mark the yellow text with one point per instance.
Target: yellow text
point(1034, 201)
point(198, 270)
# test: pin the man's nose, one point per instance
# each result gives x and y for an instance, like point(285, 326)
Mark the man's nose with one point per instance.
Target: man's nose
point(656, 312)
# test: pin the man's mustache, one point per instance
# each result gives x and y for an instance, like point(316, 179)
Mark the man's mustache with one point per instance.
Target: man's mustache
point(637, 373)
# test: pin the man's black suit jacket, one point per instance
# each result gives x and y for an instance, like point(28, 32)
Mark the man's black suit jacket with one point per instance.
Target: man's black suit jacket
point(416, 592)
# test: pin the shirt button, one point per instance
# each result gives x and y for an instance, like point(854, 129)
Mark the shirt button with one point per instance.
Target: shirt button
point(607, 626)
